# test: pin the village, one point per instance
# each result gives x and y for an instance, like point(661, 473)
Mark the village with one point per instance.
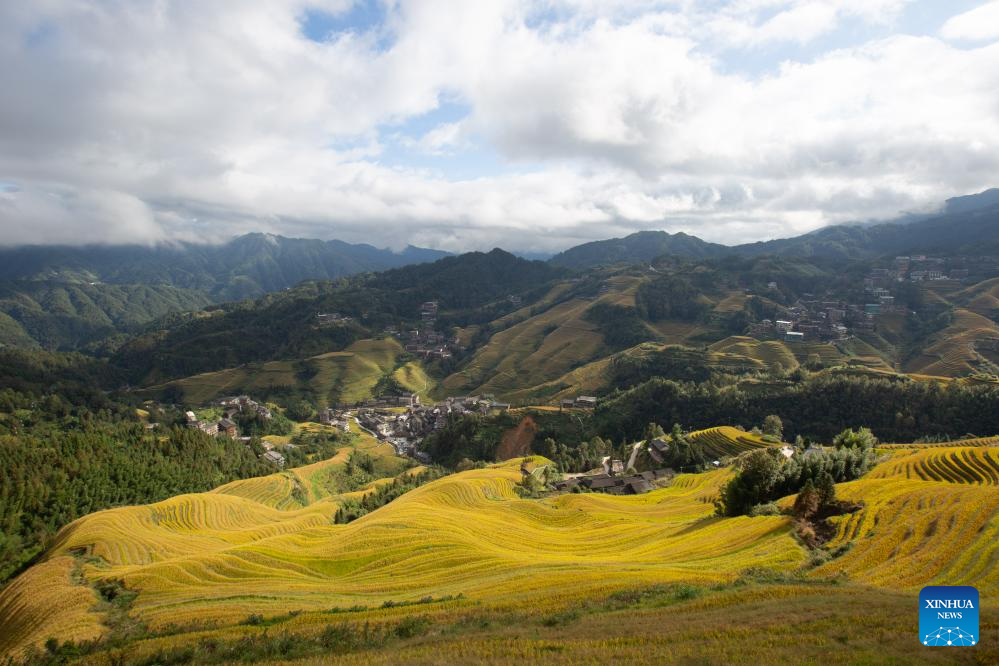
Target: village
point(834, 319)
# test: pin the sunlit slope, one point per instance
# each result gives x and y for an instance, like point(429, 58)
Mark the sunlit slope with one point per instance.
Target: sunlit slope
point(976, 466)
point(982, 298)
point(725, 441)
point(541, 348)
point(217, 557)
point(953, 351)
point(930, 517)
point(344, 376)
point(46, 601)
point(771, 352)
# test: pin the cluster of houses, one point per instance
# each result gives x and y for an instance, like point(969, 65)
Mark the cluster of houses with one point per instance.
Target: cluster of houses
point(921, 268)
point(819, 320)
point(223, 427)
point(335, 418)
point(405, 430)
point(226, 426)
point(835, 319)
point(243, 404)
point(617, 484)
point(425, 340)
point(579, 402)
point(330, 319)
point(429, 343)
point(614, 479)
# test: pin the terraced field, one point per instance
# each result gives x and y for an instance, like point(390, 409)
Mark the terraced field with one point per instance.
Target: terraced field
point(347, 376)
point(952, 352)
point(725, 441)
point(217, 557)
point(931, 518)
point(982, 298)
point(770, 352)
point(975, 466)
point(535, 351)
point(209, 561)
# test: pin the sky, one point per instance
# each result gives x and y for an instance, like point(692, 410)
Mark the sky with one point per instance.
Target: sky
point(531, 126)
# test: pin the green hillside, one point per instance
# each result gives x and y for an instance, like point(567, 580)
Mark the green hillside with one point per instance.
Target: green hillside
point(64, 315)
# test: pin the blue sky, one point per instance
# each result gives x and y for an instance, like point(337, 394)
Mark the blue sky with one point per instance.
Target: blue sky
point(529, 125)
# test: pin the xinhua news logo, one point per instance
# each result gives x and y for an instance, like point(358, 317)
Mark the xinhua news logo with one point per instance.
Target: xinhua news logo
point(948, 616)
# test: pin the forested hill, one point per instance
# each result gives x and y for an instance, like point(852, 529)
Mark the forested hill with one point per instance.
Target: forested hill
point(965, 230)
point(69, 298)
point(67, 315)
point(639, 247)
point(470, 287)
point(245, 267)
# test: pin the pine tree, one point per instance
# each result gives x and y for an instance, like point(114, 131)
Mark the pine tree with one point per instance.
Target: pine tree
point(806, 504)
point(827, 491)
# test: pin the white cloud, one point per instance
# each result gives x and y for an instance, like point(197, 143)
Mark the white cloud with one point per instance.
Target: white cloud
point(142, 121)
point(978, 24)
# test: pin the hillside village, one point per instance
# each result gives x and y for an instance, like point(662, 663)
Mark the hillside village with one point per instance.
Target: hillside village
point(813, 319)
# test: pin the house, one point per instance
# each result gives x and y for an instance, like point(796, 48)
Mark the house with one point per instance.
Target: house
point(794, 336)
point(208, 428)
point(274, 457)
point(599, 482)
point(658, 448)
point(228, 428)
point(191, 418)
point(567, 403)
point(786, 451)
point(812, 451)
point(612, 466)
point(586, 401)
point(637, 486)
point(326, 416)
point(783, 325)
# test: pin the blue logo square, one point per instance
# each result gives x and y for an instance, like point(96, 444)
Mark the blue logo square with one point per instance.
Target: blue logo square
point(948, 616)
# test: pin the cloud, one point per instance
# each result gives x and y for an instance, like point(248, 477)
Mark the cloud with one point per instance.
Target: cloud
point(145, 121)
point(978, 24)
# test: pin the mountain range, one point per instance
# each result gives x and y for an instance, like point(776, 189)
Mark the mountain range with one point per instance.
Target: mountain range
point(61, 297)
point(968, 224)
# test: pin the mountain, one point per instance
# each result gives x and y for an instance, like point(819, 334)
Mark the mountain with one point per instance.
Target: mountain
point(283, 325)
point(64, 315)
point(244, 267)
point(64, 297)
point(968, 224)
point(966, 230)
point(643, 246)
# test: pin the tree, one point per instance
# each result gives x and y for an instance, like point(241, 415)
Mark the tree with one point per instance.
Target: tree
point(684, 454)
point(861, 438)
point(773, 426)
point(807, 503)
point(653, 431)
point(301, 410)
point(759, 474)
point(814, 362)
point(826, 491)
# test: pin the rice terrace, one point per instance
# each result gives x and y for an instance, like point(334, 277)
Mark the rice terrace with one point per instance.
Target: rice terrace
point(499, 332)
